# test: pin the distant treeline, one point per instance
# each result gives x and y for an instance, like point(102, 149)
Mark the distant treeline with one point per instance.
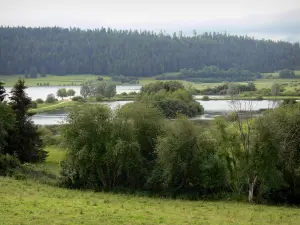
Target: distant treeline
point(212, 74)
point(135, 53)
point(124, 79)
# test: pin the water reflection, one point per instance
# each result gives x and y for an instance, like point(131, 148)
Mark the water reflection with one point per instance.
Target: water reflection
point(211, 109)
point(42, 92)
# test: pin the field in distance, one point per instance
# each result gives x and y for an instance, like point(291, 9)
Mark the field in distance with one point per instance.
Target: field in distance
point(53, 80)
point(69, 80)
point(259, 83)
point(32, 202)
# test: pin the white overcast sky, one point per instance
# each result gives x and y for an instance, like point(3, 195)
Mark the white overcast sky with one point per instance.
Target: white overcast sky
point(277, 19)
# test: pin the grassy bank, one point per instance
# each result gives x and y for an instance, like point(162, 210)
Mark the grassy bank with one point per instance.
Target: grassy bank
point(48, 107)
point(115, 98)
point(33, 201)
point(28, 202)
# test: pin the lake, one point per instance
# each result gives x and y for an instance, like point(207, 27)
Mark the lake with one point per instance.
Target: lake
point(216, 107)
point(42, 92)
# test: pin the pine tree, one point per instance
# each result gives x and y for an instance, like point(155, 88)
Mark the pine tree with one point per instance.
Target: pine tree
point(2, 92)
point(24, 141)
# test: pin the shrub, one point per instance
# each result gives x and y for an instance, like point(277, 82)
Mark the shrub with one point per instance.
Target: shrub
point(48, 137)
point(33, 104)
point(78, 99)
point(187, 161)
point(205, 98)
point(50, 98)
point(259, 98)
point(109, 153)
point(233, 116)
point(99, 98)
point(289, 102)
point(40, 101)
point(7, 164)
point(286, 73)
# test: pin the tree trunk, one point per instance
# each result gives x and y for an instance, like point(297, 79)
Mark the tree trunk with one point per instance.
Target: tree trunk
point(251, 190)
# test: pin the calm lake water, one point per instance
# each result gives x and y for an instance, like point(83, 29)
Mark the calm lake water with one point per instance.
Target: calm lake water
point(42, 92)
point(210, 107)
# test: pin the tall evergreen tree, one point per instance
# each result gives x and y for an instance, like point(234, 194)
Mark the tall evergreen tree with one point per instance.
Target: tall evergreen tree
point(2, 92)
point(61, 51)
point(24, 141)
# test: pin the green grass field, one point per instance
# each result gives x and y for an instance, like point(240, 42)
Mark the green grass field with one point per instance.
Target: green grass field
point(51, 164)
point(28, 202)
point(47, 107)
point(53, 80)
point(260, 83)
point(32, 202)
point(79, 79)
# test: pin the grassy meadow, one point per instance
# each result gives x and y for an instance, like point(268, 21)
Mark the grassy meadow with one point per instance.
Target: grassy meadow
point(53, 80)
point(67, 80)
point(46, 107)
point(33, 201)
point(259, 83)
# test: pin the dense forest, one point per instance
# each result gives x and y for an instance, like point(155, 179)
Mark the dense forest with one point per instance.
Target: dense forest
point(135, 53)
point(211, 74)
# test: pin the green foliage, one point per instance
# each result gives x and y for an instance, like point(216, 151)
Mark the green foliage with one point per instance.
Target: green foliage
point(168, 86)
point(171, 98)
point(8, 164)
point(117, 151)
point(106, 89)
point(277, 146)
point(233, 89)
point(98, 51)
point(110, 90)
point(286, 73)
point(33, 105)
point(259, 97)
point(7, 121)
point(99, 97)
point(2, 92)
point(230, 89)
point(289, 101)
point(48, 137)
point(187, 161)
point(39, 101)
point(173, 107)
point(147, 122)
point(70, 92)
point(209, 74)
point(103, 152)
point(123, 79)
point(275, 89)
point(205, 98)
point(78, 99)
point(24, 140)
point(33, 72)
point(85, 91)
point(50, 98)
point(62, 92)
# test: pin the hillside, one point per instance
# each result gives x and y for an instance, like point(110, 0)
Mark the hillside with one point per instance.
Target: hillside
point(135, 53)
point(29, 202)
